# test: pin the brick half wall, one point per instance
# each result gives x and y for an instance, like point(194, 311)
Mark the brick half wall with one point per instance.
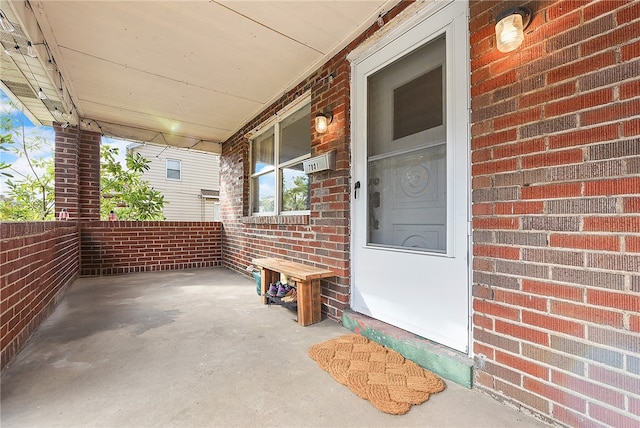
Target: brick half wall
point(38, 262)
point(119, 247)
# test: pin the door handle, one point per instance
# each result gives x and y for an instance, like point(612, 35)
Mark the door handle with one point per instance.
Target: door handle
point(355, 189)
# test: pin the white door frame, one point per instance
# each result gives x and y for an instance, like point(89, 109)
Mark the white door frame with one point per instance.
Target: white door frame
point(458, 36)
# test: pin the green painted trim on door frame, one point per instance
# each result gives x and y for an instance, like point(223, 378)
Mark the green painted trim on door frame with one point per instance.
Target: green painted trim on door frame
point(442, 361)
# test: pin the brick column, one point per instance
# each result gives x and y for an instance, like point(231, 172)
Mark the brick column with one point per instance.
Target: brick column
point(89, 175)
point(77, 172)
point(66, 170)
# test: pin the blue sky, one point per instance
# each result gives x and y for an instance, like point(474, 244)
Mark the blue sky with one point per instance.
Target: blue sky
point(19, 165)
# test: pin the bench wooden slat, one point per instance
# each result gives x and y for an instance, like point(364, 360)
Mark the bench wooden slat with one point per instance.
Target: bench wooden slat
point(297, 270)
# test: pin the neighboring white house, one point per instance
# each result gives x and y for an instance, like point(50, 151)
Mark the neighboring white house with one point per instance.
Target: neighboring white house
point(188, 179)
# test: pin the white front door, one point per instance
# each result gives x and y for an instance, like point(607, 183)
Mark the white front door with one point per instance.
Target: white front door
point(410, 166)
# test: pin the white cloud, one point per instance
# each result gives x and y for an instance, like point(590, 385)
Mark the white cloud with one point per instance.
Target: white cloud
point(44, 135)
point(20, 165)
point(7, 108)
point(21, 168)
point(121, 145)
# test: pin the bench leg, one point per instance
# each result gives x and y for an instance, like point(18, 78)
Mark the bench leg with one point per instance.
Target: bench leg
point(309, 304)
point(267, 277)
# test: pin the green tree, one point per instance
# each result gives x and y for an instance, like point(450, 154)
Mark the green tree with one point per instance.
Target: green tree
point(5, 140)
point(295, 197)
point(124, 191)
point(31, 196)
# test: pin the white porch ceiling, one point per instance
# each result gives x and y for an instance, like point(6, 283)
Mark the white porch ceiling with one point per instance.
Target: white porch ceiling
point(184, 73)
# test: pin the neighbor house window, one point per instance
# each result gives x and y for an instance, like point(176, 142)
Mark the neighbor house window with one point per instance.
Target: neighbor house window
point(173, 169)
point(278, 182)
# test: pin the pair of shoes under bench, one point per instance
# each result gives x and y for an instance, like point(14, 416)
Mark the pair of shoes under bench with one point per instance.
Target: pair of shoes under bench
point(279, 290)
point(291, 297)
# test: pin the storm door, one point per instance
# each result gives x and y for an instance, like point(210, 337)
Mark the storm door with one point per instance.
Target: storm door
point(410, 240)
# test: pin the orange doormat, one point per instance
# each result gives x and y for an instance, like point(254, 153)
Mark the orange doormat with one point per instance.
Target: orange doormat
point(378, 374)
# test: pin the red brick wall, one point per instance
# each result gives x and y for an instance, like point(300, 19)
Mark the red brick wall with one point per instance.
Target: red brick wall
point(38, 261)
point(319, 239)
point(109, 248)
point(322, 238)
point(66, 170)
point(300, 238)
point(77, 171)
point(89, 175)
point(556, 211)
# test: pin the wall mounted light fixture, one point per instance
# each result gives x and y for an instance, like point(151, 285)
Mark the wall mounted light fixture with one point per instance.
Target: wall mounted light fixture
point(510, 26)
point(322, 122)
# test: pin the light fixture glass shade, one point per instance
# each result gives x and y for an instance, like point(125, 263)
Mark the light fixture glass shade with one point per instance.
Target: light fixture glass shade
point(6, 26)
point(41, 94)
point(31, 51)
point(509, 33)
point(322, 124)
point(10, 52)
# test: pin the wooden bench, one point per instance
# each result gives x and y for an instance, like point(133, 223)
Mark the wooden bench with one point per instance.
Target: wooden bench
point(308, 284)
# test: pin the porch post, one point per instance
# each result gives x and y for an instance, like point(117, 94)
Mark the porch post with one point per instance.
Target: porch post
point(77, 172)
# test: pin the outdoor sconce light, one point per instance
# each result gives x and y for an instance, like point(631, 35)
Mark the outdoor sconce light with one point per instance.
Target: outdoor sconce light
point(510, 26)
point(322, 122)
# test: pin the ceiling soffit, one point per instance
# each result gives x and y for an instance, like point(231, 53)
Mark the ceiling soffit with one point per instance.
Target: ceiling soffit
point(185, 73)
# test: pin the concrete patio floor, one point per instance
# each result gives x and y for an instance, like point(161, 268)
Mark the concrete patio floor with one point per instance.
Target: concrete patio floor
point(196, 348)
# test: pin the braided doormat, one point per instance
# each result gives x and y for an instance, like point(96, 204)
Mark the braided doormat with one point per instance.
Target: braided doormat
point(378, 374)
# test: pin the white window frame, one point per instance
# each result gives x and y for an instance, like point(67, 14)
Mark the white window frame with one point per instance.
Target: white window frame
point(167, 169)
point(275, 122)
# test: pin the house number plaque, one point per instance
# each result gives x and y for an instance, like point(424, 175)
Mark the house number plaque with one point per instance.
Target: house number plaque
point(320, 163)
